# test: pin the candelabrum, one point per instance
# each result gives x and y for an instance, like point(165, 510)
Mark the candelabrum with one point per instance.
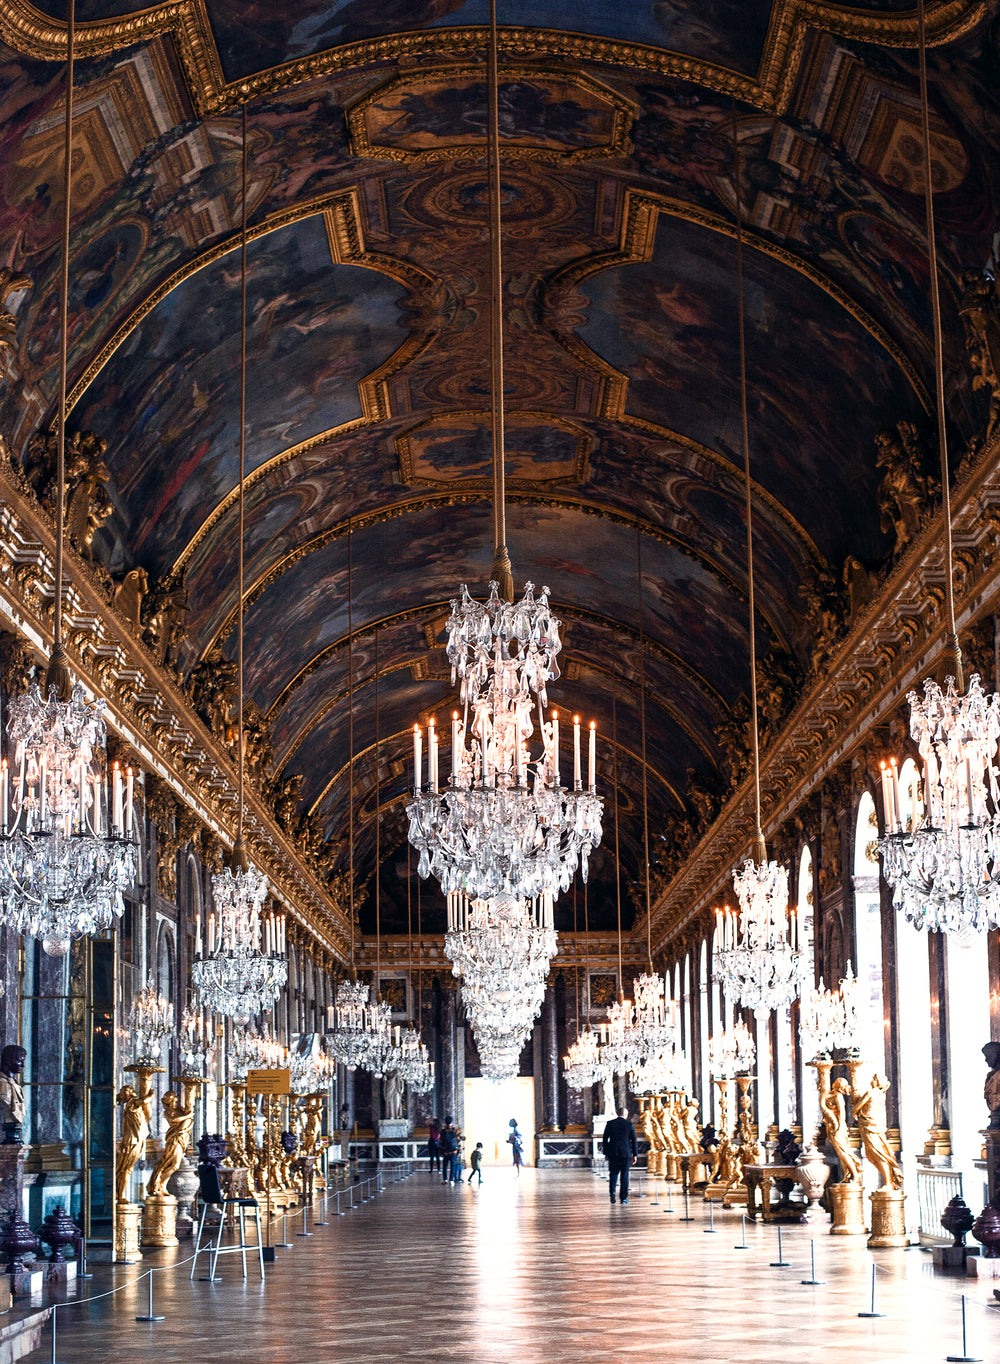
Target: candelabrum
point(358, 1029)
point(240, 965)
point(582, 1063)
point(195, 1039)
point(757, 956)
point(941, 854)
point(66, 847)
point(151, 1019)
point(731, 1053)
point(504, 823)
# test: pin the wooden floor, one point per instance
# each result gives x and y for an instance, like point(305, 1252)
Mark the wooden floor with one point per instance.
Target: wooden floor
point(542, 1269)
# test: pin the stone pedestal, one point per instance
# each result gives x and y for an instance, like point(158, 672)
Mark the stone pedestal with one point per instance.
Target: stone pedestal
point(888, 1224)
point(183, 1184)
point(848, 1210)
point(159, 1220)
point(127, 1219)
point(12, 1160)
point(393, 1129)
point(991, 1140)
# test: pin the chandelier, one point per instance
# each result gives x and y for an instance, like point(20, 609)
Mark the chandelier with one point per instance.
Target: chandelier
point(944, 871)
point(944, 867)
point(733, 1052)
point(151, 1019)
point(829, 1018)
point(758, 959)
point(359, 1030)
point(504, 824)
point(501, 949)
point(66, 851)
point(582, 1066)
point(657, 1073)
point(240, 965)
point(410, 1056)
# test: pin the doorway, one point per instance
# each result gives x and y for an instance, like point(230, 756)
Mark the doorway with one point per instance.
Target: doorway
point(489, 1108)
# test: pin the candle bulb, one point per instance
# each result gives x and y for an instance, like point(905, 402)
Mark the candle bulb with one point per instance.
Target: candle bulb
point(895, 796)
point(117, 797)
point(417, 756)
point(431, 754)
point(3, 794)
point(970, 797)
point(128, 801)
point(555, 748)
point(886, 797)
point(593, 755)
point(454, 744)
point(577, 780)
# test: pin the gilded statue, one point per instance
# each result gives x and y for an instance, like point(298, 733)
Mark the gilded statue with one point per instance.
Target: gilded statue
point(10, 283)
point(212, 688)
point(834, 1112)
point(312, 1113)
point(905, 491)
point(137, 1107)
point(980, 312)
point(179, 1113)
point(692, 1135)
point(163, 617)
point(870, 1116)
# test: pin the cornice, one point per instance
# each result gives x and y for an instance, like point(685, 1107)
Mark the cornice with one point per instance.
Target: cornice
point(144, 704)
point(896, 642)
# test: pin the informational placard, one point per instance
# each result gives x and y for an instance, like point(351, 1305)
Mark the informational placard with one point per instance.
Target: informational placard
point(269, 1081)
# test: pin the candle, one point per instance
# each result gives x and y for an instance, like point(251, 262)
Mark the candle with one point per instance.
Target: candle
point(97, 807)
point(895, 795)
point(42, 792)
point(886, 797)
point(577, 780)
point(417, 756)
point(128, 802)
point(454, 743)
point(432, 773)
point(117, 792)
point(211, 933)
point(197, 936)
point(593, 754)
point(3, 794)
point(968, 791)
point(555, 748)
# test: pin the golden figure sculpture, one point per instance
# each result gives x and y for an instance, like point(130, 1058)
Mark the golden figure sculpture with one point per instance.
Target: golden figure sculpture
point(311, 1119)
point(870, 1116)
point(137, 1107)
point(674, 1124)
point(832, 1104)
point(180, 1121)
point(692, 1132)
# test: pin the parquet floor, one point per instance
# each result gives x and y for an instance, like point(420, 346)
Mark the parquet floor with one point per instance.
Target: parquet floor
point(543, 1269)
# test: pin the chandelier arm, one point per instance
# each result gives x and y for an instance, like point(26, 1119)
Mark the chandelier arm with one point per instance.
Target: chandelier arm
point(501, 571)
point(759, 851)
point(955, 654)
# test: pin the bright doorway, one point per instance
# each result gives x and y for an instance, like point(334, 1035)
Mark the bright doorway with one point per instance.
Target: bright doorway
point(488, 1111)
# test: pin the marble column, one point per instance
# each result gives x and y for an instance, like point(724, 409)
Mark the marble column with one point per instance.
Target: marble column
point(550, 1063)
point(447, 1039)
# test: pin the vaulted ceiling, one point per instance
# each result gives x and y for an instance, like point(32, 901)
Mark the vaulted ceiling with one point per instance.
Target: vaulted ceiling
point(368, 378)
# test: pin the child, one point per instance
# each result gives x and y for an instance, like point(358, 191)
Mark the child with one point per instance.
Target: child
point(476, 1161)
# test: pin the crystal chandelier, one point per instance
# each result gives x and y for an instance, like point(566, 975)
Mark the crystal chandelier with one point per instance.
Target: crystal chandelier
point(240, 965)
point(829, 1018)
point(944, 871)
point(359, 1030)
point(504, 823)
point(66, 852)
point(657, 1074)
point(733, 1052)
point(944, 867)
point(151, 1019)
point(582, 1064)
point(412, 1061)
point(758, 959)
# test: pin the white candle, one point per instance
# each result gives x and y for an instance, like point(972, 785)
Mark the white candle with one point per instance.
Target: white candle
point(128, 802)
point(97, 807)
point(3, 794)
point(555, 748)
point(432, 775)
point(454, 744)
point(577, 779)
point(895, 795)
point(211, 934)
point(197, 936)
point(968, 791)
point(42, 791)
point(117, 790)
point(417, 756)
point(593, 755)
point(886, 797)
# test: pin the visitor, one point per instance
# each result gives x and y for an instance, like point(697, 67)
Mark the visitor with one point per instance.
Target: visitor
point(434, 1143)
point(476, 1162)
point(449, 1151)
point(620, 1148)
point(516, 1142)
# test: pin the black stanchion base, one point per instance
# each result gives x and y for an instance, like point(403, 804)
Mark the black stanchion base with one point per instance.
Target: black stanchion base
point(283, 1245)
point(781, 1264)
point(813, 1282)
point(742, 1246)
point(203, 1278)
point(963, 1359)
point(304, 1233)
point(686, 1219)
point(869, 1315)
point(150, 1318)
point(269, 1255)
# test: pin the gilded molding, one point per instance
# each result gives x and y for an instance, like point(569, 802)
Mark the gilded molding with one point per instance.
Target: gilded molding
point(34, 34)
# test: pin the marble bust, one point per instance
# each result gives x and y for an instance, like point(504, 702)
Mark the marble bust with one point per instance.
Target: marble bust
point(12, 1060)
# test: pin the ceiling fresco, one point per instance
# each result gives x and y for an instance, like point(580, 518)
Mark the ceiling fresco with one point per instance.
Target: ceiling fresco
point(629, 136)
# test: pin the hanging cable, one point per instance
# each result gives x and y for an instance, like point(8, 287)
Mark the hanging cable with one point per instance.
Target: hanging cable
point(350, 733)
point(642, 727)
point(58, 670)
point(618, 874)
point(759, 849)
point(954, 653)
point(378, 844)
point(501, 571)
point(240, 852)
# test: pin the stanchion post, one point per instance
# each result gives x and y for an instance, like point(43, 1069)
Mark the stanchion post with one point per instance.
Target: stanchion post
point(780, 1262)
point(669, 1207)
point(964, 1357)
point(743, 1228)
point(150, 1315)
point(687, 1210)
point(812, 1262)
point(710, 1229)
point(305, 1221)
point(54, 1306)
point(872, 1313)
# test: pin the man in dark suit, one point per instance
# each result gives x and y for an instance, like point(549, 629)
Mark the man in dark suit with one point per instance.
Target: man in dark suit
point(620, 1148)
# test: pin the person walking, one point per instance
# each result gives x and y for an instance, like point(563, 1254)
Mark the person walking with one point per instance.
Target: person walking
point(434, 1143)
point(516, 1142)
point(620, 1149)
point(476, 1162)
point(449, 1151)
